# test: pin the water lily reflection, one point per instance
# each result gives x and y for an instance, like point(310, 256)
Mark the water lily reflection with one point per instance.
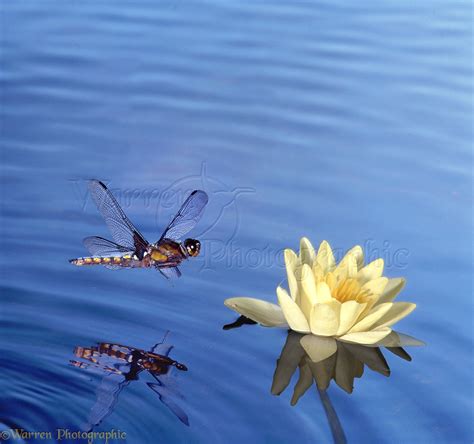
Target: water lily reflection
point(343, 366)
point(120, 365)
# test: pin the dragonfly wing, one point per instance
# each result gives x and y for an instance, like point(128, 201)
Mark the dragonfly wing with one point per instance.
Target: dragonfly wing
point(98, 246)
point(167, 399)
point(187, 217)
point(170, 272)
point(122, 230)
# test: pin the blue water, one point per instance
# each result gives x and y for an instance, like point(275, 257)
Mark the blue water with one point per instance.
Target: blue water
point(345, 121)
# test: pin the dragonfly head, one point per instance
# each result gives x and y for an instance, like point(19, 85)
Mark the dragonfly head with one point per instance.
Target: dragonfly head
point(193, 247)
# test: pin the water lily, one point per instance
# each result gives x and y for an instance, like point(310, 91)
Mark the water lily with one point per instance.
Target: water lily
point(349, 302)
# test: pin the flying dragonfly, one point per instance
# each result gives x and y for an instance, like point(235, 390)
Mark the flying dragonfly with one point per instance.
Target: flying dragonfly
point(129, 249)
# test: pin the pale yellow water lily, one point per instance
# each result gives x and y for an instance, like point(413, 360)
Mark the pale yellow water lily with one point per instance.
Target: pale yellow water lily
point(348, 301)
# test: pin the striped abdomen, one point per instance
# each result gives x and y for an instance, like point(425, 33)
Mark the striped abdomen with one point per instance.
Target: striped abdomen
point(118, 261)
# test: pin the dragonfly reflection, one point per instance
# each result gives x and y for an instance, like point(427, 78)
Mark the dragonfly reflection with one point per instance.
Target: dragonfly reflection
point(121, 365)
point(129, 249)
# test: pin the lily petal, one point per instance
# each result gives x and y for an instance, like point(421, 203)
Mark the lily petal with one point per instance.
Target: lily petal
point(318, 348)
point(350, 311)
point(375, 286)
point(398, 310)
point(324, 319)
point(293, 314)
point(369, 321)
point(358, 254)
point(263, 312)
point(371, 271)
point(374, 289)
point(397, 339)
point(291, 261)
point(307, 254)
point(325, 257)
point(347, 268)
point(323, 293)
point(390, 292)
point(308, 290)
point(366, 337)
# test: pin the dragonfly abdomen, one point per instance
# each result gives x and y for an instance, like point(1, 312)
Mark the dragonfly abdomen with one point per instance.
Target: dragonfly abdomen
point(120, 261)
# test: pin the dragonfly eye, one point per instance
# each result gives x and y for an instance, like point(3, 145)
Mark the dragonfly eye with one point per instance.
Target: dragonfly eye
point(193, 246)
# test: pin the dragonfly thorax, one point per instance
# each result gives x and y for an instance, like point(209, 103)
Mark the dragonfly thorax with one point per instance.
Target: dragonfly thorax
point(167, 251)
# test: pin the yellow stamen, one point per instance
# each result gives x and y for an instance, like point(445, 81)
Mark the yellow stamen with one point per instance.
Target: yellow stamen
point(348, 290)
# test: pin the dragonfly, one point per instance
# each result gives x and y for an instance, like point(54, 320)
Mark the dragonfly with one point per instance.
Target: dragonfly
point(129, 249)
point(121, 365)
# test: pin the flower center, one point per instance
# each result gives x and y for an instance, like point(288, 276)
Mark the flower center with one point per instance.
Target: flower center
point(347, 289)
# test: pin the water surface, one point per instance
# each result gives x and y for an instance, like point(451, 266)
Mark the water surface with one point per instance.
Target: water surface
point(335, 120)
